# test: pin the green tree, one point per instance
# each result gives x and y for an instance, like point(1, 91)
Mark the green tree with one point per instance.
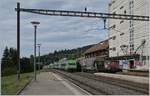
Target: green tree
point(5, 58)
point(9, 62)
point(26, 66)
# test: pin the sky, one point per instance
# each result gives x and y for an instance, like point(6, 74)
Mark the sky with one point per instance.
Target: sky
point(54, 32)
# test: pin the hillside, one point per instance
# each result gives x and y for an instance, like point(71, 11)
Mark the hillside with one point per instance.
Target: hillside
point(67, 53)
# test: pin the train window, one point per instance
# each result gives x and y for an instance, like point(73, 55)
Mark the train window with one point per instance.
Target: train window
point(71, 63)
point(63, 64)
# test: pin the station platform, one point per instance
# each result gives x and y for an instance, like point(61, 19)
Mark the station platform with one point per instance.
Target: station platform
point(49, 83)
point(137, 79)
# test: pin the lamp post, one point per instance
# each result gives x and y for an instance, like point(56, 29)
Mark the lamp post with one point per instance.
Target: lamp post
point(39, 45)
point(35, 23)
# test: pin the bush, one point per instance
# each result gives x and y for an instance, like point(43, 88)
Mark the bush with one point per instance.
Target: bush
point(26, 66)
point(9, 71)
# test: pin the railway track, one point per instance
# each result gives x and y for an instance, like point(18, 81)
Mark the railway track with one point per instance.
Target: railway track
point(98, 86)
point(144, 88)
point(80, 81)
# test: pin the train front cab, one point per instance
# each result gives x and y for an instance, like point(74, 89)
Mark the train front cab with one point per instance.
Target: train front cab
point(112, 66)
point(71, 66)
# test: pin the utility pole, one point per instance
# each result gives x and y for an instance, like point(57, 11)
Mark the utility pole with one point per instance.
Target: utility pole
point(18, 40)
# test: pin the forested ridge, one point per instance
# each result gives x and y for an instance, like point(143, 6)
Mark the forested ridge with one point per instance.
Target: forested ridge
point(9, 59)
point(67, 53)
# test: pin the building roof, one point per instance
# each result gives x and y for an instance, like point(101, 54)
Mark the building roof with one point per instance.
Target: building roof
point(97, 47)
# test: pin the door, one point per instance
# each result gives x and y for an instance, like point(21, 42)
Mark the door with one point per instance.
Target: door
point(131, 64)
point(100, 66)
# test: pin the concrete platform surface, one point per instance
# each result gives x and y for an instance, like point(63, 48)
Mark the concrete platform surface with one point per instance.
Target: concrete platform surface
point(49, 83)
point(137, 79)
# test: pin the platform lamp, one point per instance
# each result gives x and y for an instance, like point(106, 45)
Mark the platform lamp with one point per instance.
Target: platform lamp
point(35, 24)
point(39, 61)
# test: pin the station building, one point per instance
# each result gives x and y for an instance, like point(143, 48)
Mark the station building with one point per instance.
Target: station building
point(94, 57)
point(129, 39)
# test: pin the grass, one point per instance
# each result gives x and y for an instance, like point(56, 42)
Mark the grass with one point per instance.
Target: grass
point(10, 85)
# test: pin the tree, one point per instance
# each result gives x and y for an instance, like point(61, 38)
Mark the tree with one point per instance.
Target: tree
point(13, 57)
point(26, 65)
point(5, 58)
point(31, 59)
point(9, 61)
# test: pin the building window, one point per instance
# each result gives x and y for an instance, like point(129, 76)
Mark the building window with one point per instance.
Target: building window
point(110, 48)
point(112, 27)
point(114, 12)
point(113, 1)
point(121, 7)
point(131, 25)
point(121, 21)
point(114, 49)
point(125, 11)
point(121, 34)
point(114, 37)
point(131, 47)
point(110, 4)
point(110, 38)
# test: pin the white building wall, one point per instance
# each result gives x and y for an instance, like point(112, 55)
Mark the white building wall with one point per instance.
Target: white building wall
point(140, 28)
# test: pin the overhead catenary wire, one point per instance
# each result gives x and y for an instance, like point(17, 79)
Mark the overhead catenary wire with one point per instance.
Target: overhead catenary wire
point(85, 14)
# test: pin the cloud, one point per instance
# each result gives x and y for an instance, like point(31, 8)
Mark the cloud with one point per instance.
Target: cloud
point(55, 33)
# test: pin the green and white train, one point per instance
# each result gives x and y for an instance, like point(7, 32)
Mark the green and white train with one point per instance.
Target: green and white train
point(64, 64)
